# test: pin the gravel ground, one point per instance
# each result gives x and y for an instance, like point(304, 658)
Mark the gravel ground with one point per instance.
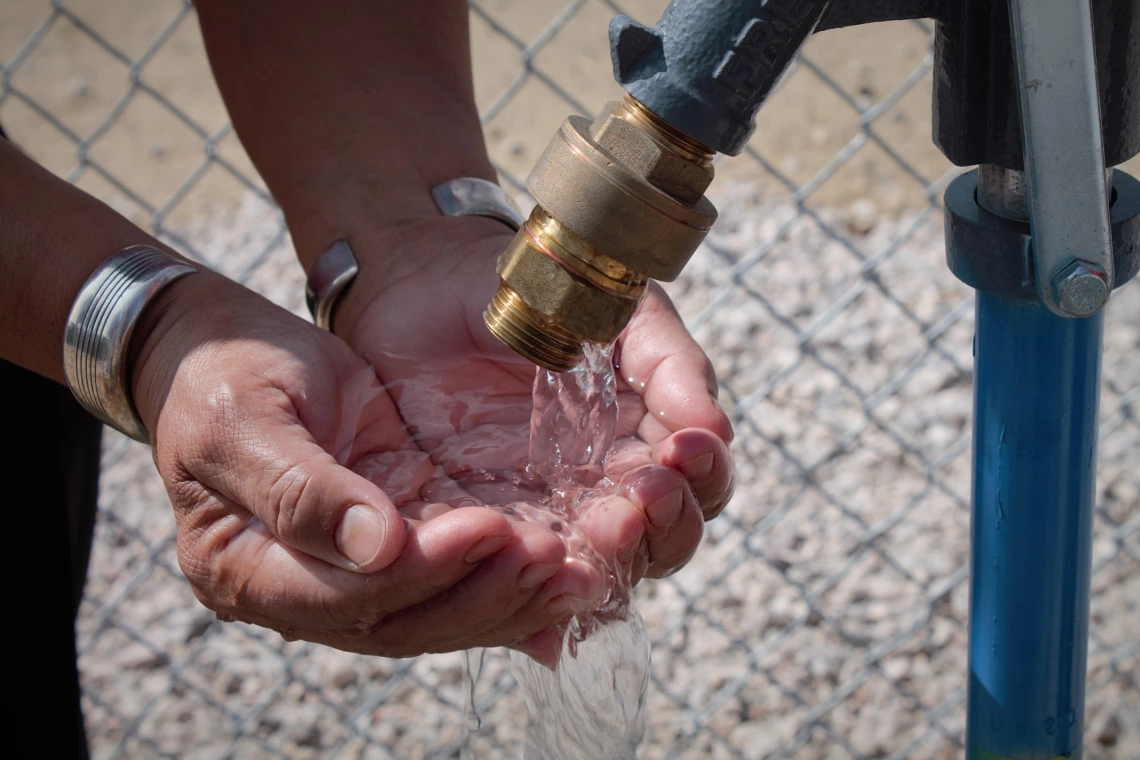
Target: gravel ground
point(824, 615)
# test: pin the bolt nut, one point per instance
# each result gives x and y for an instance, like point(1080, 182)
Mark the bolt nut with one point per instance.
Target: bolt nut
point(649, 159)
point(1081, 289)
point(578, 306)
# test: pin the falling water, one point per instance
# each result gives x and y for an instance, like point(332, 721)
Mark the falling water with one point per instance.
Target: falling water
point(591, 705)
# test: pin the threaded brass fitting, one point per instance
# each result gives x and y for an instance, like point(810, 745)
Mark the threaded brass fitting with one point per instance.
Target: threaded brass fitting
point(620, 201)
point(531, 333)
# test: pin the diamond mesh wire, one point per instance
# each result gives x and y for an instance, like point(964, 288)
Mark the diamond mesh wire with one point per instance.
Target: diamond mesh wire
point(825, 614)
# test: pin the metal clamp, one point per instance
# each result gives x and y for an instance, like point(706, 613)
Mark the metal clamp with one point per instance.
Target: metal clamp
point(1064, 156)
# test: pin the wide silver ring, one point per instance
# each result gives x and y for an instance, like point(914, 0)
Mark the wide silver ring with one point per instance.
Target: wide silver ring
point(97, 338)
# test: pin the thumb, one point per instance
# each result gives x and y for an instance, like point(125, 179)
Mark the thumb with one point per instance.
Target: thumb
point(269, 463)
point(203, 383)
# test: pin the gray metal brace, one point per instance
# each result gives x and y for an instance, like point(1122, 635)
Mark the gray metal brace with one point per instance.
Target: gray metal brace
point(1064, 156)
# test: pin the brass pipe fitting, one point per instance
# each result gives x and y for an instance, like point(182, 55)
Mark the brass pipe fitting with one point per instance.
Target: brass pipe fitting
point(620, 201)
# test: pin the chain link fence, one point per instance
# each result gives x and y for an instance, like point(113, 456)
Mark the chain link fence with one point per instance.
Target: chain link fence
point(825, 613)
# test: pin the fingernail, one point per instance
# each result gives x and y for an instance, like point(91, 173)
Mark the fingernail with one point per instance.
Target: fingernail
point(361, 534)
point(537, 573)
point(484, 548)
point(698, 467)
point(560, 606)
point(666, 510)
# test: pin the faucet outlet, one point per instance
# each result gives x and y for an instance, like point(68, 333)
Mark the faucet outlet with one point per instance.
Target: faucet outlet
point(619, 201)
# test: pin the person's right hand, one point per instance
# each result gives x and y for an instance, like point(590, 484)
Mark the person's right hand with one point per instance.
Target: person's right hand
point(257, 419)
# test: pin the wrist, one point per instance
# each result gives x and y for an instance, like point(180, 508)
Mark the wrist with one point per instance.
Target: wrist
point(348, 110)
point(362, 203)
point(174, 326)
point(413, 264)
point(331, 275)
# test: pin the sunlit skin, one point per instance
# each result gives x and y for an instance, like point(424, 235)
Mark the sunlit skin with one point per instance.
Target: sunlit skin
point(462, 391)
point(244, 401)
point(256, 489)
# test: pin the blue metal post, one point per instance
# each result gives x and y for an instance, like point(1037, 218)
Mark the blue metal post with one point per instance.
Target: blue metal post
point(1037, 380)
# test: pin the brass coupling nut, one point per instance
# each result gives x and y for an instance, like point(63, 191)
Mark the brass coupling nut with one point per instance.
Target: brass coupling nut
point(620, 201)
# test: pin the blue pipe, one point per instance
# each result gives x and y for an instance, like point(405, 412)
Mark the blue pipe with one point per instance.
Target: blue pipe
point(1036, 397)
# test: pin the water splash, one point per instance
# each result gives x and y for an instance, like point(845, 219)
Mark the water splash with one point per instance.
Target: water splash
point(592, 704)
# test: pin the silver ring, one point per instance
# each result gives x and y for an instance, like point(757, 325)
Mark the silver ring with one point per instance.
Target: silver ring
point(97, 338)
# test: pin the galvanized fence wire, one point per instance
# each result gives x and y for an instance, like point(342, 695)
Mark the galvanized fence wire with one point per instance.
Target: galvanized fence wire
point(696, 724)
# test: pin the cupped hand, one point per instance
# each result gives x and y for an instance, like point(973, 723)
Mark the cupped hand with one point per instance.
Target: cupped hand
point(415, 313)
point(292, 477)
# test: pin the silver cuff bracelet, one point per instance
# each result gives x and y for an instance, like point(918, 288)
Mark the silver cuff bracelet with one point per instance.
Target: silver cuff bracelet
point(331, 274)
point(471, 196)
point(336, 267)
point(99, 329)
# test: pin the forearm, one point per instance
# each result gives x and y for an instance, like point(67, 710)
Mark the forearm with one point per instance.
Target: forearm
point(52, 237)
point(350, 110)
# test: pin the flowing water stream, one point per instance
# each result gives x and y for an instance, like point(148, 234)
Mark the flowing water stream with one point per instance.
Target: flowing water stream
point(591, 704)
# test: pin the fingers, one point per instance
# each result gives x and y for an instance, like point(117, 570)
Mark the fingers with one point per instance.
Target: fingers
point(239, 569)
point(685, 479)
point(422, 511)
point(705, 462)
point(543, 647)
point(577, 587)
point(672, 520)
point(699, 456)
point(499, 587)
point(257, 453)
point(702, 459)
point(616, 527)
point(661, 362)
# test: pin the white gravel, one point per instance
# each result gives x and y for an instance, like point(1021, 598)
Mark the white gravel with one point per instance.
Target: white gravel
point(824, 616)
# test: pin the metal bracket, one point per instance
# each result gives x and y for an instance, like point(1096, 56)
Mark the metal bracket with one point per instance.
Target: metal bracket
point(993, 252)
point(1064, 156)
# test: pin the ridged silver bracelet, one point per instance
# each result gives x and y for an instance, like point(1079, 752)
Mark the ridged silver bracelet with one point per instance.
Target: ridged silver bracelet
point(99, 329)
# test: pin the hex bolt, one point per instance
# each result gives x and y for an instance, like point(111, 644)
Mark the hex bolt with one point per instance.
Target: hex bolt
point(1081, 289)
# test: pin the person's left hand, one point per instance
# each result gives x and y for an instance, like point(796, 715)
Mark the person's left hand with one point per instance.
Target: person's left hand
point(415, 313)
